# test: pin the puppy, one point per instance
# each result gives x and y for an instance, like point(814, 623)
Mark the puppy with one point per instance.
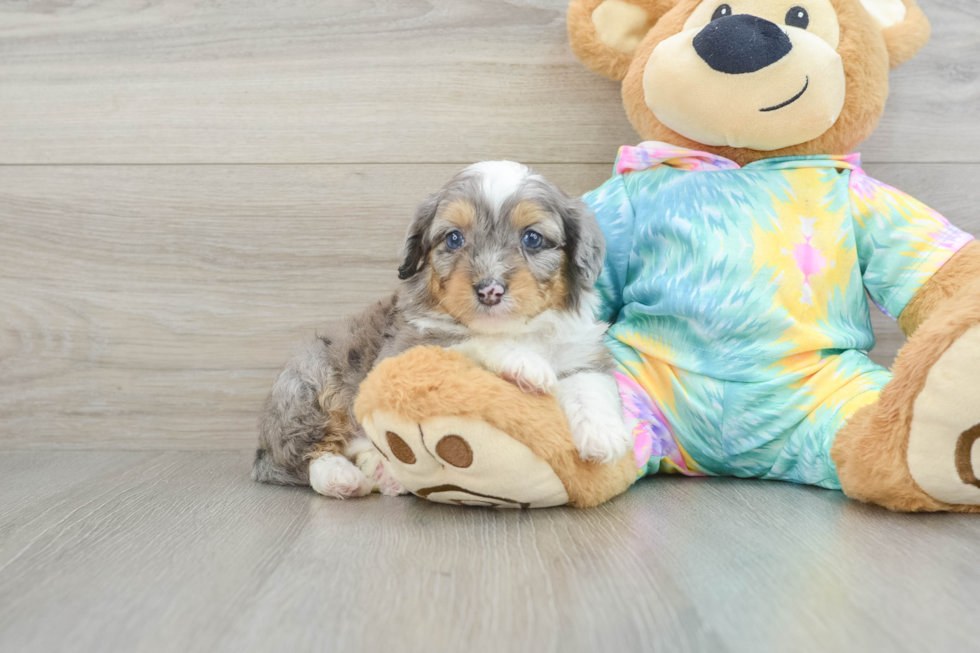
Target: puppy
point(499, 264)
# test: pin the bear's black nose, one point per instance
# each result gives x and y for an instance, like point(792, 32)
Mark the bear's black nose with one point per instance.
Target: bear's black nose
point(741, 44)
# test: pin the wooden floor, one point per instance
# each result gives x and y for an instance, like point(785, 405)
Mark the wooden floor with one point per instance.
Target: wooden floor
point(178, 551)
point(188, 188)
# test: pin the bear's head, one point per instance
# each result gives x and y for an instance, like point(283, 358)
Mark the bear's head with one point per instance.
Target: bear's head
point(750, 79)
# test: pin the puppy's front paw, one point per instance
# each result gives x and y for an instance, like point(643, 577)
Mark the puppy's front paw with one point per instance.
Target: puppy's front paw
point(335, 476)
point(595, 414)
point(529, 372)
point(598, 440)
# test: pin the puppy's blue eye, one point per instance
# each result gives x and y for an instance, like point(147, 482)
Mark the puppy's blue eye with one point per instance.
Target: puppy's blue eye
point(532, 239)
point(454, 240)
point(723, 11)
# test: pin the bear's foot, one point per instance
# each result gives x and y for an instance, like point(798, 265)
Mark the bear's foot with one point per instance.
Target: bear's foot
point(943, 449)
point(464, 462)
point(454, 433)
point(918, 448)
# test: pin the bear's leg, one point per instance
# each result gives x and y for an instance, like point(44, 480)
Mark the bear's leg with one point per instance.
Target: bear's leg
point(451, 432)
point(916, 448)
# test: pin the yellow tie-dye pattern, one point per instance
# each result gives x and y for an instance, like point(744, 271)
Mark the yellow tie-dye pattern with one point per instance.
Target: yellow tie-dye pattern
point(837, 388)
point(800, 366)
point(668, 466)
point(806, 225)
point(657, 376)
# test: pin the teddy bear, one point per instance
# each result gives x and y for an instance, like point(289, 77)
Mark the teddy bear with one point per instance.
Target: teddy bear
point(743, 241)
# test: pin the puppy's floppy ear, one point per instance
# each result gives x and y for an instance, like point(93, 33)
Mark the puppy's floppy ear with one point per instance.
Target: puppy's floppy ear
point(417, 247)
point(585, 246)
point(903, 25)
point(604, 33)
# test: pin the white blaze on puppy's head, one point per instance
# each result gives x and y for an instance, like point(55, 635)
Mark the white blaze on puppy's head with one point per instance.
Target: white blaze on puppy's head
point(500, 180)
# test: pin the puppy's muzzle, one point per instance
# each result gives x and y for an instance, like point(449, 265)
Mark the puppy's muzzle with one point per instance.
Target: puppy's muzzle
point(489, 292)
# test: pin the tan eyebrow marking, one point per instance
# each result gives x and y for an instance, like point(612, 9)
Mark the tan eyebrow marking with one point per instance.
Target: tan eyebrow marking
point(460, 212)
point(527, 213)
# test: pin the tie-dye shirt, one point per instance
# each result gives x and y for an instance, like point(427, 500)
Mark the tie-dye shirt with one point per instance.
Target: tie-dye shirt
point(737, 297)
point(722, 270)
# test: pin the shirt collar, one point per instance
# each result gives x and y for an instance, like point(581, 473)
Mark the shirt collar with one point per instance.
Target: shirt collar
point(650, 154)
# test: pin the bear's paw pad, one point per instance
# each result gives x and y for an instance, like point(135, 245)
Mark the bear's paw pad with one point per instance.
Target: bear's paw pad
point(464, 461)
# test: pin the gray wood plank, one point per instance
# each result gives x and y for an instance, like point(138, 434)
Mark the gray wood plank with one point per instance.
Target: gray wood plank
point(139, 559)
point(150, 306)
point(291, 81)
point(178, 551)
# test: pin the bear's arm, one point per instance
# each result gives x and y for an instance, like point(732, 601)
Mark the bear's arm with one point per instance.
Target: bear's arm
point(962, 268)
point(901, 245)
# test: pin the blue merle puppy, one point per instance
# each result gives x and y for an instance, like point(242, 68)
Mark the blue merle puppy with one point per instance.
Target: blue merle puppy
point(499, 264)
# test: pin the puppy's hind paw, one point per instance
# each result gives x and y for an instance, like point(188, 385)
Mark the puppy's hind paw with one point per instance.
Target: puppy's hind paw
point(335, 476)
point(384, 482)
point(388, 486)
point(376, 469)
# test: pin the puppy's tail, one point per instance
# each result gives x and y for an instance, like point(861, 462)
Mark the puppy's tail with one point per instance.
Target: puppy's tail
point(292, 423)
point(264, 470)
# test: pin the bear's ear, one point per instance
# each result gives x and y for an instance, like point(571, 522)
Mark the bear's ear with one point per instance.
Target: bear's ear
point(604, 33)
point(905, 28)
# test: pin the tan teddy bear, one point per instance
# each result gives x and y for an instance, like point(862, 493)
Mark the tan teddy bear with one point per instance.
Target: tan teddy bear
point(742, 241)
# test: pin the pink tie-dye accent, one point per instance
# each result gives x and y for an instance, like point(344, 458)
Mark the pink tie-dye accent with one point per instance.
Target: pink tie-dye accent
point(864, 187)
point(956, 241)
point(642, 446)
point(652, 434)
point(809, 258)
point(871, 190)
point(651, 153)
point(853, 160)
point(811, 262)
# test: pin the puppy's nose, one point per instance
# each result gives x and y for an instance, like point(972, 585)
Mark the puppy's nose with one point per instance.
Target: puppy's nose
point(742, 43)
point(489, 291)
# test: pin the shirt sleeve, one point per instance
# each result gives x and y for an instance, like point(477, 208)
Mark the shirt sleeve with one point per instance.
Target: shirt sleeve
point(901, 242)
point(614, 212)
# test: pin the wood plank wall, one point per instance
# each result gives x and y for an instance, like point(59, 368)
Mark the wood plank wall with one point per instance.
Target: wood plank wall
point(188, 188)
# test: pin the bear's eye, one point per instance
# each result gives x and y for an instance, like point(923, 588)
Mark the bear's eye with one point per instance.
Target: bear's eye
point(721, 12)
point(797, 17)
point(454, 240)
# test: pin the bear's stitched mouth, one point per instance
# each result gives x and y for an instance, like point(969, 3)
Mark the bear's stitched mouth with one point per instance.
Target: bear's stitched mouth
point(791, 100)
